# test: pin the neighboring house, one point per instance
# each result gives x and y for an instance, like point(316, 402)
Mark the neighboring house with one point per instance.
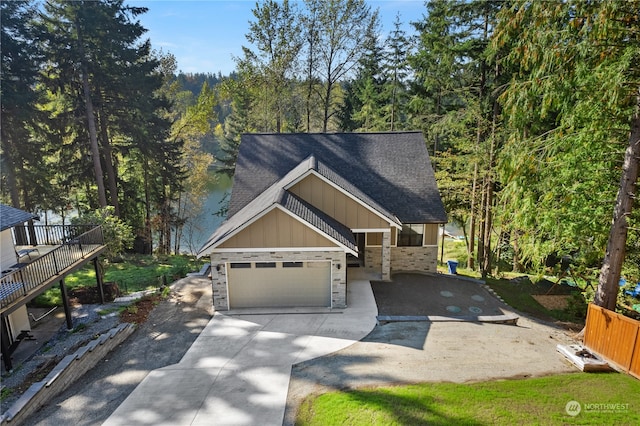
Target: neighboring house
point(304, 206)
point(32, 259)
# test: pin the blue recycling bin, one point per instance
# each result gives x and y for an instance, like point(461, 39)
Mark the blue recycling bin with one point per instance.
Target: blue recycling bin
point(453, 265)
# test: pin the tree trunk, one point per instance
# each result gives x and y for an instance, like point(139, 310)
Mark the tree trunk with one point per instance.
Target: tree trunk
point(327, 107)
point(148, 235)
point(481, 225)
point(487, 224)
point(472, 221)
point(93, 140)
point(91, 122)
point(607, 292)
point(488, 213)
point(10, 176)
point(517, 267)
point(112, 179)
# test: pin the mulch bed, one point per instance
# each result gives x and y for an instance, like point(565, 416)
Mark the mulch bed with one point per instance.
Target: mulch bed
point(140, 310)
point(90, 296)
point(553, 301)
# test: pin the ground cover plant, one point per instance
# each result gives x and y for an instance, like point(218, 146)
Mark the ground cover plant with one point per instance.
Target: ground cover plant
point(608, 398)
point(519, 293)
point(131, 273)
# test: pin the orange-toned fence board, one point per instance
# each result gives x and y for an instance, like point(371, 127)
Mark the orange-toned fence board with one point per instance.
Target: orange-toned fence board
point(614, 337)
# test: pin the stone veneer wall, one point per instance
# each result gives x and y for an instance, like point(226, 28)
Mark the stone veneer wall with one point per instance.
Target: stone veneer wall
point(338, 271)
point(373, 259)
point(423, 259)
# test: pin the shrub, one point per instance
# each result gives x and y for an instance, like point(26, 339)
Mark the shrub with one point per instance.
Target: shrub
point(118, 236)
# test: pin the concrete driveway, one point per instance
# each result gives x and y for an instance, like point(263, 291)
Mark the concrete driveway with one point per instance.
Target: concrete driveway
point(237, 371)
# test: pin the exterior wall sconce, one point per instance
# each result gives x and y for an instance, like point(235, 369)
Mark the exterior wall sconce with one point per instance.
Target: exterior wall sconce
point(218, 267)
point(338, 266)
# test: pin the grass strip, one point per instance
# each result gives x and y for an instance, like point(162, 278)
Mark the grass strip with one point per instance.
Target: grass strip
point(609, 398)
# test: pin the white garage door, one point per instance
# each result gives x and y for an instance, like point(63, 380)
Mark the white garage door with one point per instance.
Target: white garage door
point(279, 284)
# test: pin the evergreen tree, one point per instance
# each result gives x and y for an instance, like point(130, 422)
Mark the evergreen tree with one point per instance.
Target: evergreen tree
point(368, 86)
point(235, 125)
point(454, 99)
point(21, 58)
point(94, 50)
point(397, 71)
point(574, 108)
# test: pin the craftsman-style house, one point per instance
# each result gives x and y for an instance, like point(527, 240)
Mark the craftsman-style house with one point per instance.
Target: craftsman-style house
point(305, 206)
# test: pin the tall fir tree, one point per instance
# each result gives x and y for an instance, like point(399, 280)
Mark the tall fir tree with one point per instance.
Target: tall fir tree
point(22, 152)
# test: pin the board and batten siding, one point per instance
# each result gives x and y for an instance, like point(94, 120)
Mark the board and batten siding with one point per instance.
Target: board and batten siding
point(336, 204)
point(277, 229)
point(430, 234)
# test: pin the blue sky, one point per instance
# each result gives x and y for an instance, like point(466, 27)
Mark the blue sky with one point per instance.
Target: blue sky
point(205, 35)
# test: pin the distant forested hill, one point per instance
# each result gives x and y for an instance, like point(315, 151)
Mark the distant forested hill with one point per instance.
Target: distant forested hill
point(193, 81)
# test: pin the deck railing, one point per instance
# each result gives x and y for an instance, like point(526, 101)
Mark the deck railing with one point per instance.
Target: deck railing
point(50, 235)
point(74, 244)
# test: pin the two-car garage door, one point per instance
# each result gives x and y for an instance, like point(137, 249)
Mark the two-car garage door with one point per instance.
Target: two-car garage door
point(279, 284)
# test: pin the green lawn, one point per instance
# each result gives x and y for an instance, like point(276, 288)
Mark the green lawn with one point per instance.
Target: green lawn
point(134, 273)
point(604, 399)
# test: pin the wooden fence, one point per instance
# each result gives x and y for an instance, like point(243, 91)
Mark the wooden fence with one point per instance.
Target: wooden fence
point(614, 337)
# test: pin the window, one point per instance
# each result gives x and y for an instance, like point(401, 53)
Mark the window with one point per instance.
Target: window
point(240, 265)
point(292, 264)
point(265, 264)
point(411, 235)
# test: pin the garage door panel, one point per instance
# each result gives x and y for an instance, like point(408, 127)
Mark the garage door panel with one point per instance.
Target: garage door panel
point(309, 285)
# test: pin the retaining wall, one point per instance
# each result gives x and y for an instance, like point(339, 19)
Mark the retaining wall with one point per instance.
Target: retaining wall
point(70, 369)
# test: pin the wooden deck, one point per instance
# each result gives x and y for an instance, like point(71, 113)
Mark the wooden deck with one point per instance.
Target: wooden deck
point(45, 265)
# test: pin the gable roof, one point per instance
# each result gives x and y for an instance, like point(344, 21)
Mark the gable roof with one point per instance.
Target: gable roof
point(275, 196)
point(390, 170)
point(10, 217)
point(325, 173)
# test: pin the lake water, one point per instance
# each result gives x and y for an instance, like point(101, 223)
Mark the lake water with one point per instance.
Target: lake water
point(198, 231)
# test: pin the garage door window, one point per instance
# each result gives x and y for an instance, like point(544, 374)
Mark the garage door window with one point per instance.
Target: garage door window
point(241, 266)
point(292, 264)
point(265, 264)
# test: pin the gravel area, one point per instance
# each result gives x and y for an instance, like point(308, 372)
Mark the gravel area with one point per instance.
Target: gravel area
point(87, 322)
point(414, 352)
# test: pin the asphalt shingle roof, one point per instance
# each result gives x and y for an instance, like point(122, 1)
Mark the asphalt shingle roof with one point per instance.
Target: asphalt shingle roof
point(391, 168)
point(10, 217)
point(276, 194)
point(389, 172)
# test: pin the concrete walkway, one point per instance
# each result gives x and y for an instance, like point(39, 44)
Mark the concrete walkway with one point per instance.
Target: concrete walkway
point(237, 371)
